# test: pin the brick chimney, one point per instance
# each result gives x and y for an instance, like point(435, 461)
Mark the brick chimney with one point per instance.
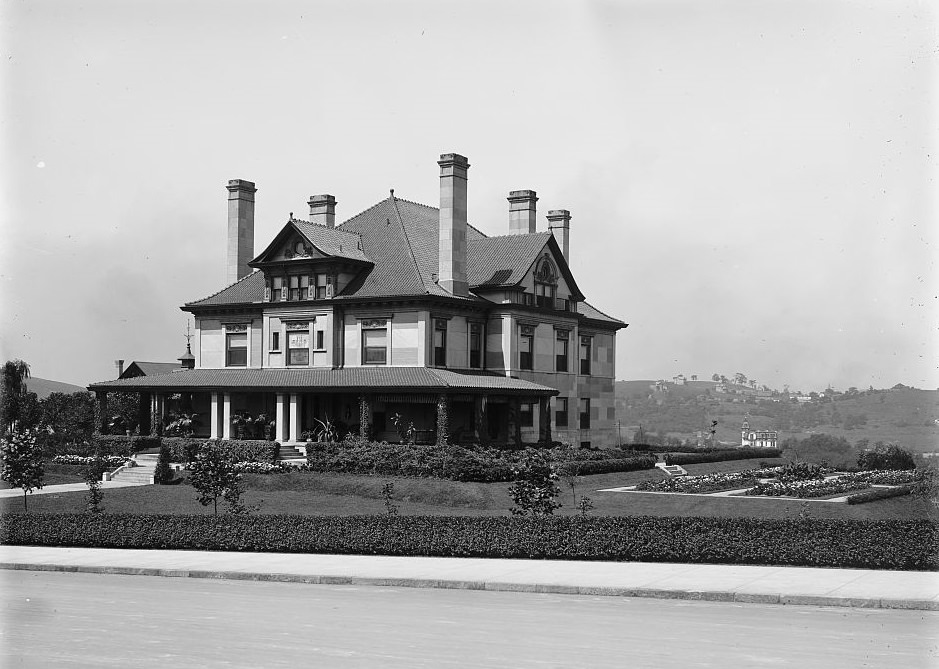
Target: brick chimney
point(119, 364)
point(522, 215)
point(559, 224)
point(323, 210)
point(451, 267)
point(240, 228)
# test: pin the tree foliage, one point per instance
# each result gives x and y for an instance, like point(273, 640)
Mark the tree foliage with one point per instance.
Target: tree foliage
point(213, 476)
point(886, 457)
point(534, 490)
point(22, 465)
point(12, 375)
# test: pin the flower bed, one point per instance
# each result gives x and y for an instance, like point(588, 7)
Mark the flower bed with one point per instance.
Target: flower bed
point(81, 460)
point(807, 489)
point(700, 484)
point(885, 476)
point(875, 494)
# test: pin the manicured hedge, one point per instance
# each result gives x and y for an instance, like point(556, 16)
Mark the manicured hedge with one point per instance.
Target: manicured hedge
point(586, 468)
point(879, 493)
point(906, 544)
point(184, 449)
point(721, 456)
point(113, 444)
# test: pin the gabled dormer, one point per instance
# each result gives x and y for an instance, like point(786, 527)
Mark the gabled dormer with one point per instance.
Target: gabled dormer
point(307, 261)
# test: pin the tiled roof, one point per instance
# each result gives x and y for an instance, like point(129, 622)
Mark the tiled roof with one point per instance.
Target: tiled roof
point(153, 368)
point(333, 241)
point(595, 314)
point(244, 291)
point(349, 379)
point(502, 261)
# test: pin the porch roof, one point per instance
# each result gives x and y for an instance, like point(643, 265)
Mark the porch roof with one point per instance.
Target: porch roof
point(350, 379)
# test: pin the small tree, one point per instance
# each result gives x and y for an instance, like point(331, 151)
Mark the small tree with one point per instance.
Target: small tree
point(886, 457)
point(213, 475)
point(534, 490)
point(585, 505)
point(92, 473)
point(388, 494)
point(570, 473)
point(163, 474)
point(22, 465)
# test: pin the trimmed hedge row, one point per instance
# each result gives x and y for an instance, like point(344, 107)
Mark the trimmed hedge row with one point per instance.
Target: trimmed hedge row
point(184, 449)
point(907, 544)
point(114, 444)
point(721, 456)
point(880, 493)
point(586, 468)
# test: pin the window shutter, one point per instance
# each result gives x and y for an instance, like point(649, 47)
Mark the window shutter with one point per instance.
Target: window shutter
point(311, 289)
point(329, 290)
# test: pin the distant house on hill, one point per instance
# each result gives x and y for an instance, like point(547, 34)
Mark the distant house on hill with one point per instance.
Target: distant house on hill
point(753, 438)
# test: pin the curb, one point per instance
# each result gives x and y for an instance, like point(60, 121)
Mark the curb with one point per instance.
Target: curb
point(456, 584)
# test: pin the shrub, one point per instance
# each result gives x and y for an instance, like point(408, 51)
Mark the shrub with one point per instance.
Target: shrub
point(112, 444)
point(534, 490)
point(801, 471)
point(721, 456)
point(894, 544)
point(163, 474)
point(886, 457)
point(879, 493)
point(586, 468)
point(183, 449)
point(110, 461)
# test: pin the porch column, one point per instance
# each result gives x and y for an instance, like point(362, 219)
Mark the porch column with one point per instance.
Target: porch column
point(365, 417)
point(443, 419)
point(213, 417)
point(294, 417)
point(226, 416)
point(279, 418)
point(143, 413)
point(544, 420)
point(101, 412)
point(156, 414)
point(480, 424)
point(515, 434)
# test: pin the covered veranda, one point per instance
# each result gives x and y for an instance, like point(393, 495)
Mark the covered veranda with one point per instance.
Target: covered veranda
point(426, 405)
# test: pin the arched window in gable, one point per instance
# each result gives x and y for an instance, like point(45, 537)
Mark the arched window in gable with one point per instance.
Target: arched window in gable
point(546, 283)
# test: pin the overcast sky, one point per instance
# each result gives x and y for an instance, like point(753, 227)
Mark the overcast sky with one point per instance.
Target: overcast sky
point(752, 184)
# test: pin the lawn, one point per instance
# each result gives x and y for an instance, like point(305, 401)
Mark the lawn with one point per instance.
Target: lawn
point(55, 474)
point(348, 494)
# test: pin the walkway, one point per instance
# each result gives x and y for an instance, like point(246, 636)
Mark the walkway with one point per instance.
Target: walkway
point(727, 583)
point(67, 487)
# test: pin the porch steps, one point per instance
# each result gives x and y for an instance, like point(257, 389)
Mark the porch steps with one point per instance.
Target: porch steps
point(142, 474)
point(288, 452)
point(671, 470)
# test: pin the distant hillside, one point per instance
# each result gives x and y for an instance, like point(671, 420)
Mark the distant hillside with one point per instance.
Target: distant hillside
point(44, 387)
point(903, 415)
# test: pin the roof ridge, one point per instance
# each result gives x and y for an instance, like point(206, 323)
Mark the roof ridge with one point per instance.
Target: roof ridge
point(325, 227)
point(511, 234)
point(364, 211)
point(208, 297)
point(407, 240)
point(437, 209)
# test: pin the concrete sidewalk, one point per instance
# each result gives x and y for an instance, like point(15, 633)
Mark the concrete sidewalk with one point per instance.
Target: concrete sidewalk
point(728, 583)
point(59, 488)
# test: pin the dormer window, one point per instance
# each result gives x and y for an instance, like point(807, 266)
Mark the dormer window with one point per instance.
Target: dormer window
point(546, 282)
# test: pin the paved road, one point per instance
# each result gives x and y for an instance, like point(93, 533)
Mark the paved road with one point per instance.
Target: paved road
point(98, 620)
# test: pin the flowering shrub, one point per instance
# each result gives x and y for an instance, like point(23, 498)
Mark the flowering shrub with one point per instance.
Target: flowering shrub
point(279, 467)
point(698, 484)
point(885, 477)
point(801, 471)
point(84, 461)
point(875, 494)
point(810, 488)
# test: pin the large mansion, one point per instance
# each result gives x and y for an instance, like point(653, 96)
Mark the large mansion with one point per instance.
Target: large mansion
point(403, 315)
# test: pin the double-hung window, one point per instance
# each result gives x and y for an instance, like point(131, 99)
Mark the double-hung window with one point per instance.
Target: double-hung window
point(586, 343)
point(236, 345)
point(475, 345)
point(560, 411)
point(560, 350)
point(440, 342)
point(527, 414)
point(298, 344)
point(526, 347)
point(584, 413)
point(375, 342)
